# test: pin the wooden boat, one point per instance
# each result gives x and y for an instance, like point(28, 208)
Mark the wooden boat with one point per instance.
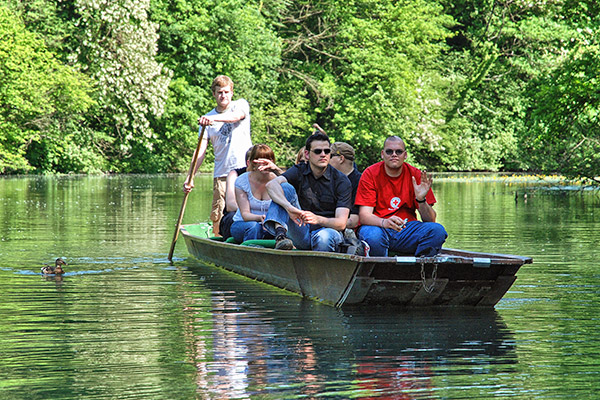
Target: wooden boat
point(452, 278)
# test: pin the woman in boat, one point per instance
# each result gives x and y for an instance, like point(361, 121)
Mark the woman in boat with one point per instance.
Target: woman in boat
point(251, 195)
point(300, 158)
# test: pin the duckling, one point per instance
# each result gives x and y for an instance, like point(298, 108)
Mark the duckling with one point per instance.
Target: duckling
point(56, 269)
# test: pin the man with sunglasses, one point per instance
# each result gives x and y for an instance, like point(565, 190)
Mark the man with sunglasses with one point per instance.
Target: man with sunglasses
point(389, 194)
point(310, 202)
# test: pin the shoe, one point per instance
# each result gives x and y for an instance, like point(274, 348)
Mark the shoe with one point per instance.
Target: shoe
point(283, 243)
point(365, 249)
point(361, 249)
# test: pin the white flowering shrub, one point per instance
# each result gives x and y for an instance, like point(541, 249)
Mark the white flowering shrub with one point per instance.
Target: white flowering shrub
point(118, 48)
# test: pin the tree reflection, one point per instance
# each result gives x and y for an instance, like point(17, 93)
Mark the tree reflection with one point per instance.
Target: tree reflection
point(247, 341)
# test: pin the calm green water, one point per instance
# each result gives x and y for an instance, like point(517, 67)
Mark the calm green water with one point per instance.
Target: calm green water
point(123, 323)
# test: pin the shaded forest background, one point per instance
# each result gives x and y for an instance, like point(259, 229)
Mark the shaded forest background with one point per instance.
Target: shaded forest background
point(90, 86)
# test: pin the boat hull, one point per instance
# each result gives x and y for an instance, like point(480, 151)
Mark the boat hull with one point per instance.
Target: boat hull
point(453, 278)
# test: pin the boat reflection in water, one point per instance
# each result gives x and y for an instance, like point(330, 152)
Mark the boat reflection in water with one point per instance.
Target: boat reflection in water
point(250, 340)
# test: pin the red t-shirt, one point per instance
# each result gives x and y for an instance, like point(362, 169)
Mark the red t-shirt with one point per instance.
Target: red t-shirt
point(388, 195)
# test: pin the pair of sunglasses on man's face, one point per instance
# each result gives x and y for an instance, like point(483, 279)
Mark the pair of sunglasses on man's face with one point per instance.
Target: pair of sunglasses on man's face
point(398, 152)
point(319, 151)
point(389, 152)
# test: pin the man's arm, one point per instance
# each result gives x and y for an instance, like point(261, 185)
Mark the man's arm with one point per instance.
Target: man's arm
point(230, 201)
point(367, 217)
point(227, 117)
point(276, 191)
point(353, 220)
point(278, 196)
point(338, 222)
point(425, 210)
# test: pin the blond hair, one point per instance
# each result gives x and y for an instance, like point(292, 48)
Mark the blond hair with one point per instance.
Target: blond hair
point(221, 81)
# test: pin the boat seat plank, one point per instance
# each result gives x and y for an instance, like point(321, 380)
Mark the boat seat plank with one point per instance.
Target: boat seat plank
point(266, 243)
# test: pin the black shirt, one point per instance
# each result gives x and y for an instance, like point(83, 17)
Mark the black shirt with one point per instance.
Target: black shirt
point(354, 179)
point(323, 195)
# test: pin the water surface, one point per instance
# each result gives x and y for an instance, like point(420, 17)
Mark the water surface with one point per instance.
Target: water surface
point(125, 323)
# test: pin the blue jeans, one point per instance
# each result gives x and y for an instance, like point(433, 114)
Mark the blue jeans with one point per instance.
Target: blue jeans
point(247, 230)
point(321, 239)
point(418, 238)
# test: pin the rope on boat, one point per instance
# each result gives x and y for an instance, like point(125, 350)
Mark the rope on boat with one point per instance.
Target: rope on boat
point(428, 260)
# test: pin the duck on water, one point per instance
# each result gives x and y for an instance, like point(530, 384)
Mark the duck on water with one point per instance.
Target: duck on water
point(56, 269)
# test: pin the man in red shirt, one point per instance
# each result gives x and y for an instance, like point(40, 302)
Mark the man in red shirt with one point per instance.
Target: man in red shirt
point(389, 194)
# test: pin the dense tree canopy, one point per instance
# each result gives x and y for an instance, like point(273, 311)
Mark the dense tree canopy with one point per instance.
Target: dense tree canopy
point(41, 100)
point(90, 86)
point(563, 132)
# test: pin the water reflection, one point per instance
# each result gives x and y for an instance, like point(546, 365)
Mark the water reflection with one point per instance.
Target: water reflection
point(123, 323)
point(283, 346)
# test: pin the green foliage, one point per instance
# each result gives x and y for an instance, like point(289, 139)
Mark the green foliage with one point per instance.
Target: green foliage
point(200, 40)
point(372, 72)
point(117, 48)
point(53, 22)
point(491, 85)
point(388, 76)
point(40, 99)
point(499, 49)
point(564, 125)
point(285, 122)
point(67, 148)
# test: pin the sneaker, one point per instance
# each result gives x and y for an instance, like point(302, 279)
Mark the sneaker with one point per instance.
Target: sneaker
point(283, 243)
point(365, 249)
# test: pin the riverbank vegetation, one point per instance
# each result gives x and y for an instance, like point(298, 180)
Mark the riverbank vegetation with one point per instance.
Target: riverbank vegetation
point(92, 86)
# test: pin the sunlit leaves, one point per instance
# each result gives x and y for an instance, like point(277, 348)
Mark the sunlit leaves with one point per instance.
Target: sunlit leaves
point(118, 46)
point(484, 85)
point(373, 73)
point(39, 96)
point(564, 125)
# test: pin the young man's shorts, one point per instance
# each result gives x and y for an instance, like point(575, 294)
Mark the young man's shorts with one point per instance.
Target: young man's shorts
point(218, 203)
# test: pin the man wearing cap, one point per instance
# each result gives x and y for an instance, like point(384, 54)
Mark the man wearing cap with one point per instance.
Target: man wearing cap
point(342, 159)
point(389, 194)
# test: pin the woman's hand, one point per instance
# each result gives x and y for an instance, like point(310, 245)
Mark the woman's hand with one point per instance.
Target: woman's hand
point(296, 215)
point(264, 164)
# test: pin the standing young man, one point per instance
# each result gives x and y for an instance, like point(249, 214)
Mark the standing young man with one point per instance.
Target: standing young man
point(310, 202)
point(389, 193)
point(228, 129)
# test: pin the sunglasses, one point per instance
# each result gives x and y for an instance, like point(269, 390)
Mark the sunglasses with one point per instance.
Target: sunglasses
point(319, 151)
point(398, 152)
